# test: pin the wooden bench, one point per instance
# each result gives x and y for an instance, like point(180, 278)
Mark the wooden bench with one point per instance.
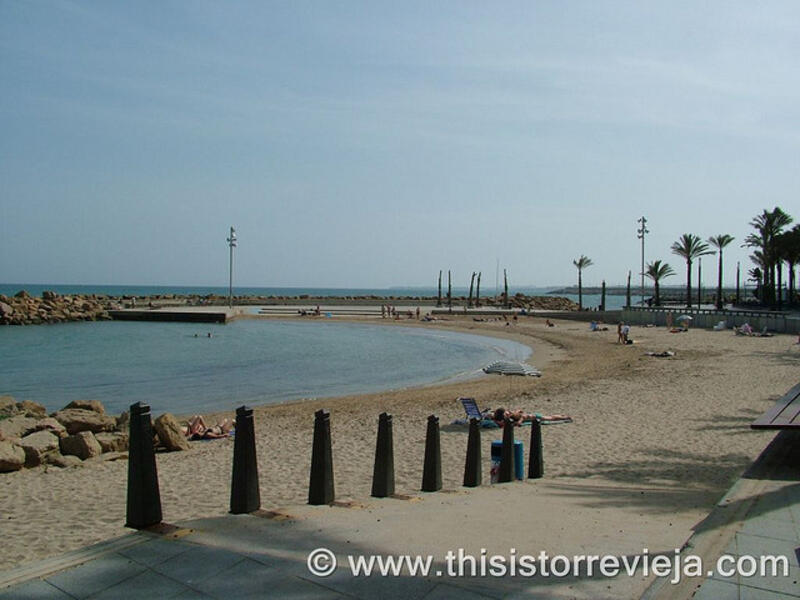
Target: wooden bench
point(785, 414)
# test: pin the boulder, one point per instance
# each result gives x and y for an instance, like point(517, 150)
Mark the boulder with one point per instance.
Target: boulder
point(112, 441)
point(76, 420)
point(36, 445)
point(16, 427)
point(29, 408)
point(93, 405)
point(49, 295)
point(51, 425)
point(12, 458)
point(59, 460)
point(8, 407)
point(169, 433)
point(83, 445)
point(124, 422)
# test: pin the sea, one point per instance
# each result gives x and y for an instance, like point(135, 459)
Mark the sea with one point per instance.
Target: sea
point(9, 289)
point(187, 368)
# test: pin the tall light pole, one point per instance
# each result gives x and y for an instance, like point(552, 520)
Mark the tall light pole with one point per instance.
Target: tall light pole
point(232, 245)
point(641, 233)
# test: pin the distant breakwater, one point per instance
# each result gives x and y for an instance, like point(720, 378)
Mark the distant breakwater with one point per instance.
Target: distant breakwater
point(25, 309)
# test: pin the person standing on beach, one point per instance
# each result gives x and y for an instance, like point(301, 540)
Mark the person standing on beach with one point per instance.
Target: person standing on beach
point(620, 339)
point(418, 313)
point(383, 311)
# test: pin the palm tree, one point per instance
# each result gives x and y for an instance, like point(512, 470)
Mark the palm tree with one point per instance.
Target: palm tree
point(768, 225)
point(658, 271)
point(689, 247)
point(719, 242)
point(789, 245)
point(581, 263)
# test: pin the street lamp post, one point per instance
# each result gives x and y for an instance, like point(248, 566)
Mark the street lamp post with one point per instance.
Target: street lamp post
point(641, 233)
point(232, 245)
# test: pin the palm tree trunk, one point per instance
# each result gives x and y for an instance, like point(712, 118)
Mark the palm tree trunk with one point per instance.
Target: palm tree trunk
point(658, 295)
point(719, 281)
point(471, 284)
point(439, 297)
point(580, 291)
point(689, 284)
point(603, 297)
point(449, 292)
point(628, 292)
point(478, 291)
point(780, 287)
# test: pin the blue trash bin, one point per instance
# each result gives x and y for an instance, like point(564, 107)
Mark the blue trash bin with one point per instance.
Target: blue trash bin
point(519, 458)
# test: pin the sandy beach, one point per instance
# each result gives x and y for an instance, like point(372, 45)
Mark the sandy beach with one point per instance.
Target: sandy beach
point(676, 426)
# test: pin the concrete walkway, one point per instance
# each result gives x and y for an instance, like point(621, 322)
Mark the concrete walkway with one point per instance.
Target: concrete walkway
point(265, 555)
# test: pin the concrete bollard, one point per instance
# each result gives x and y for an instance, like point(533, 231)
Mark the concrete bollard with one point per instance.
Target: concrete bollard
point(472, 466)
point(536, 462)
point(432, 470)
point(245, 495)
point(321, 489)
point(144, 499)
point(383, 473)
point(506, 472)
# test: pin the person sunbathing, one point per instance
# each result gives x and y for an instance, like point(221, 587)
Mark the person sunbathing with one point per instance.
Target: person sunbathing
point(197, 429)
point(518, 417)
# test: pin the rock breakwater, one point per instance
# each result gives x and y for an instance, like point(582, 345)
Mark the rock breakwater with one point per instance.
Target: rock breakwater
point(24, 309)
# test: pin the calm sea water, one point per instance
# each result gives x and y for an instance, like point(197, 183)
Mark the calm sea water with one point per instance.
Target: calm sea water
point(244, 362)
point(9, 289)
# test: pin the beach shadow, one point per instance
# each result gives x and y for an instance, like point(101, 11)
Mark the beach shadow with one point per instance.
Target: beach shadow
point(673, 468)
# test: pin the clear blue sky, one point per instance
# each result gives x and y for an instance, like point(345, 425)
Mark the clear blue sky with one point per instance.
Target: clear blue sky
point(373, 143)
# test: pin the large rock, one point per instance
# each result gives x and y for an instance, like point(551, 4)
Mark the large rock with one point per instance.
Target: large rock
point(113, 441)
point(29, 408)
point(59, 460)
point(36, 445)
point(79, 419)
point(124, 421)
point(8, 407)
point(51, 425)
point(170, 433)
point(83, 445)
point(93, 405)
point(16, 427)
point(12, 457)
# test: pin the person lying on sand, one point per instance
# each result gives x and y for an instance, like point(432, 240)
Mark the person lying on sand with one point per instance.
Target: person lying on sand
point(197, 429)
point(518, 417)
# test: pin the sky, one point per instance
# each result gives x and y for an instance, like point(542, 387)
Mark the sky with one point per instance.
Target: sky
point(371, 144)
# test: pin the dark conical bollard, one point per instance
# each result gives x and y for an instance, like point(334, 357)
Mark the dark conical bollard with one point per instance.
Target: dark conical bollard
point(536, 463)
point(506, 472)
point(432, 471)
point(144, 499)
point(320, 489)
point(245, 495)
point(383, 473)
point(472, 467)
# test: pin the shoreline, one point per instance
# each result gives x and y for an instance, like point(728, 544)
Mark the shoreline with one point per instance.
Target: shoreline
point(674, 428)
